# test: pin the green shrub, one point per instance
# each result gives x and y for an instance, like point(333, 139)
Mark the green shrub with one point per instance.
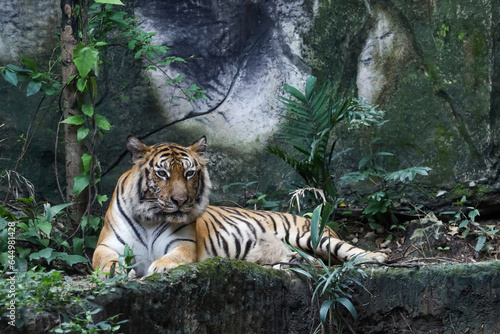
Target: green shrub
point(37, 236)
point(311, 118)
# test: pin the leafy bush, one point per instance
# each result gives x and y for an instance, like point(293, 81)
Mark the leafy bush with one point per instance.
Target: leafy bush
point(311, 118)
point(37, 237)
point(380, 202)
point(333, 287)
point(464, 223)
point(56, 293)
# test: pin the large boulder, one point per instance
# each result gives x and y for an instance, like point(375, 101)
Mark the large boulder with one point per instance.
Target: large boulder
point(230, 296)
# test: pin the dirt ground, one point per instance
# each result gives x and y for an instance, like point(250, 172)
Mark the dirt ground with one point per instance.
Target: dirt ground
point(454, 243)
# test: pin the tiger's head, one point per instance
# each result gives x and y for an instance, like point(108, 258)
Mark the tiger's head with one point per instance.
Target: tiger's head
point(171, 182)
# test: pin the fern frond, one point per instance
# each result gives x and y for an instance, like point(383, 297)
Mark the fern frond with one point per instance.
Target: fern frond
point(407, 174)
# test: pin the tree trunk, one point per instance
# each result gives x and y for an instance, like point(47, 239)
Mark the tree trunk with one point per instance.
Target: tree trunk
point(73, 149)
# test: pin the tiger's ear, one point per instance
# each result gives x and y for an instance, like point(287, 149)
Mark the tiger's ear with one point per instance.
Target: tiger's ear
point(200, 145)
point(137, 148)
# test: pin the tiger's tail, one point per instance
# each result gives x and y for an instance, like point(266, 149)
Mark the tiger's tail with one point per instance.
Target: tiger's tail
point(335, 250)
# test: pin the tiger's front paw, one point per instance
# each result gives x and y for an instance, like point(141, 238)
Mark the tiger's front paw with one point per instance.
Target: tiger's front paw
point(161, 266)
point(377, 256)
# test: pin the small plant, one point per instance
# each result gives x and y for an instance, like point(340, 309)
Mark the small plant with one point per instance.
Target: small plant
point(35, 236)
point(126, 261)
point(311, 118)
point(54, 292)
point(464, 223)
point(83, 323)
point(380, 203)
point(441, 36)
point(255, 199)
point(333, 286)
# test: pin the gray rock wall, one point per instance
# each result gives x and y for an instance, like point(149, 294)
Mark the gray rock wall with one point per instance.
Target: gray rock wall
point(432, 66)
point(224, 296)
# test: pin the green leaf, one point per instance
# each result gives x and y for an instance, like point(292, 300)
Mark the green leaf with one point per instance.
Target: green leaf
point(30, 63)
point(81, 182)
point(78, 245)
point(302, 272)
point(88, 109)
point(65, 245)
point(102, 122)
point(33, 88)
point(70, 259)
point(22, 226)
point(473, 214)
point(54, 210)
point(310, 85)
point(52, 89)
point(18, 69)
point(85, 58)
point(323, 312)
point(81, 84)
point(131, 44)
point(44, 242)
point(481, 240)
point(295, 93)
point(315, 222)
point(91, 241)
point(379, 206)
point(447, 213)
point(407, 174)
point(10, 77)
point(349, 306)
point(364, 161)
point(82, 133)
point(24, 252)
point(354, 177)
point(325, 215)
point(45, 227)
point(463, 224)
point(3, 223)
point(75, 120)
point(86, 159)
point(111, 2)
point(44, 254)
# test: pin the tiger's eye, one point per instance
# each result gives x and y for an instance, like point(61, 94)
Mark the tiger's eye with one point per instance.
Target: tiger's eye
point(162, 173)
point(190, 173)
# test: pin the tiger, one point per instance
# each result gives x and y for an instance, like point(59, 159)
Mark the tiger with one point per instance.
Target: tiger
point(160, 209)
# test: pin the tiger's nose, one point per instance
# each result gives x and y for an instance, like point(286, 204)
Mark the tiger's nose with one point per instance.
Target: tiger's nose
point(179, 200)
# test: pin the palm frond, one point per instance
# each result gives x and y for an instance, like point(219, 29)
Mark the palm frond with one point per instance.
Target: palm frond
point(295, 93)
point(310, 85)
point(310, 119)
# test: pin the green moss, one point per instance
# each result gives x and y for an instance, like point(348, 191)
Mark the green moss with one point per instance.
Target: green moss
point(442, 134)
point(217, 268)
point(461, 190)
point(332, 38)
